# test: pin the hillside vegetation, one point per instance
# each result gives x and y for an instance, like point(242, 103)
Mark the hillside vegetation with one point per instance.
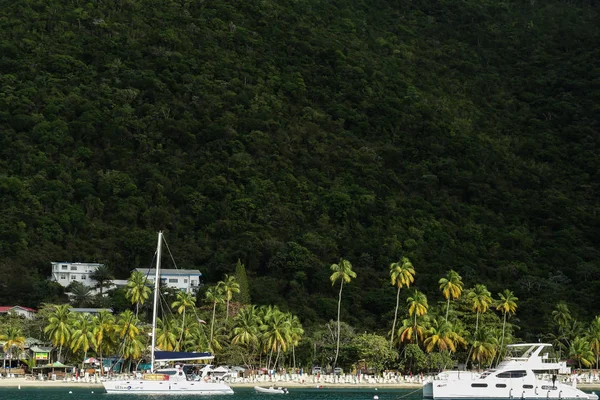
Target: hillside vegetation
point(288, 134)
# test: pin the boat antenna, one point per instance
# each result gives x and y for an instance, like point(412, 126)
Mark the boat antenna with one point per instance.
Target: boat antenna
point(155, 305)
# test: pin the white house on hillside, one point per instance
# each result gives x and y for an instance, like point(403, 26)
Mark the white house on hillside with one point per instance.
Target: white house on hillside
point(187, 280)
point(24, 312)
point(66, 273)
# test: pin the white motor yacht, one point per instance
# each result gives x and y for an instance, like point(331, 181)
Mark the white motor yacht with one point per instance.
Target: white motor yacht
point(526, 373)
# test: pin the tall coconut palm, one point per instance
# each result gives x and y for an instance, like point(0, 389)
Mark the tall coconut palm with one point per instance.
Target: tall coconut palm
point(561, 315)
point(14, 339)
point(137, 290)
point(59, 326)
point(128, 331)
point(229, 286)
point(82, 336)
point(276, 332)
point(417, 307)
point(481, 300)
point(103, 326)
point(507, 304)
point(185, 300)
point(402, 273)
point(296, 332)
point(451, 287)
point(215, 296)
point(342, 272)
point(593, 337)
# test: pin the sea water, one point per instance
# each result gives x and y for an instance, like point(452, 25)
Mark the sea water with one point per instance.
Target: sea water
point(303, 393)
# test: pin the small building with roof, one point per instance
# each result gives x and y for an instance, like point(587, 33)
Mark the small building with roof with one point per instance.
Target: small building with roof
point(24, 312)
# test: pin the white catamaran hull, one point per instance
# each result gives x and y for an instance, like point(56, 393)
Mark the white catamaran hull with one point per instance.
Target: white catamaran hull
point(166, 387)
point(460, 390)
point(527, 372)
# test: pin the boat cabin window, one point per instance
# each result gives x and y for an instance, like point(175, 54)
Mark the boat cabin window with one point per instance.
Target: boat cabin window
point(527, 386)
point(512, 374)
point(486, 373)
point(500, 385)
point(479, 385)
point(168, 372)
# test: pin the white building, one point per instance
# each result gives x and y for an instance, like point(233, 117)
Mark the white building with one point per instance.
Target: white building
point(66, 273)
point(187, 280)
point(24, 312)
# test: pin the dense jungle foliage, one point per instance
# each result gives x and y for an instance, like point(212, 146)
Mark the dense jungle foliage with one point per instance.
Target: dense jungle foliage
point(289, 134)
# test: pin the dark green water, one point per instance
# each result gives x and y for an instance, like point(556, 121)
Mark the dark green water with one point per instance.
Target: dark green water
point(240, 394)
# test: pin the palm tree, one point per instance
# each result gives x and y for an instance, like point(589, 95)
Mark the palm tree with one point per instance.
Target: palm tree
point(417, 307)
point(229, 287)
point(561, 315)
point(59, 326)
point(14, 339)
point(408, 330)
point(214, 295)
point(276, 332)
point(402, 273)
point(196, 339)
point(137, 290)
point(184, 301)
point(103, 326)
point(82, 336)
point(593, 336)
point(343, 272)
point(484, 347)
point(481, 300)
point(102, 275)
point(508, 305)
point(443, 336)
point(166, 334)
point(451, 287)
point(247, 324)
point(296, 332)
point(81, 295)
point(129, 333)
point(581, 352)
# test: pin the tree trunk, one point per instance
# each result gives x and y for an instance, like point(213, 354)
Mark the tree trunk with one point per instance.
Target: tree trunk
point(395, 318)
point(212, 323)
point(447, 308)
point(337, 350)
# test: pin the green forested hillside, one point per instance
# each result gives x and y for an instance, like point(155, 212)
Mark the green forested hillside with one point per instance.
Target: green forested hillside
point(463, 135)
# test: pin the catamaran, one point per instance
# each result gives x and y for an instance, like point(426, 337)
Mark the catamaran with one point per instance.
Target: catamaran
point(166, 381)
point(526, 373)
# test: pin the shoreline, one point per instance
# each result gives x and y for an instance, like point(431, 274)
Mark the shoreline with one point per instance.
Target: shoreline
point(18, 383)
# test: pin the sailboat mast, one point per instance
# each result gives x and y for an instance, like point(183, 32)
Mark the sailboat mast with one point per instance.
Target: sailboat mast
point(155, 304)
